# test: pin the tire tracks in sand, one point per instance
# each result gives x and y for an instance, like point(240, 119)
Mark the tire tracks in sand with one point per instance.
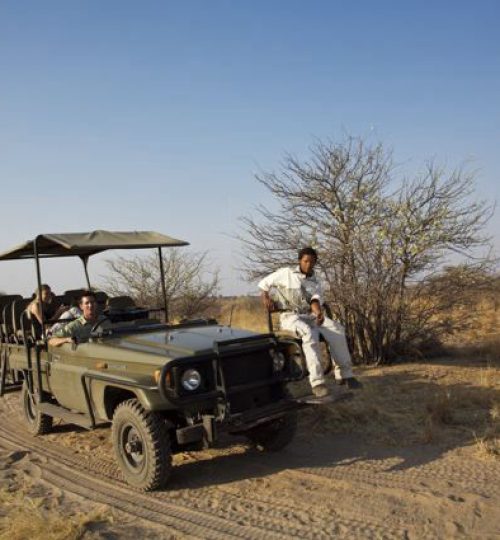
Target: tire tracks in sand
point(361, 499)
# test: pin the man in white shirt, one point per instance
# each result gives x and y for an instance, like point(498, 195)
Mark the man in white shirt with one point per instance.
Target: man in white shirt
point(297, 293)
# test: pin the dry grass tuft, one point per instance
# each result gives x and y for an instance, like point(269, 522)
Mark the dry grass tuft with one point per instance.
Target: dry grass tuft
point(488, 445)
point(440, 408)
point(488, 448)
point(23, 517)
point(446, 402)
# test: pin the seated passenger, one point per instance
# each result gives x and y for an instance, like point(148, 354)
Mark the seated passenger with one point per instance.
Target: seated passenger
point(79, 330)
point(45, 304)
point(66, 317)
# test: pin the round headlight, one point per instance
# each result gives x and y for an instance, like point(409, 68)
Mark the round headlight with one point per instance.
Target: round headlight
point(278, 360)
point(191, 379)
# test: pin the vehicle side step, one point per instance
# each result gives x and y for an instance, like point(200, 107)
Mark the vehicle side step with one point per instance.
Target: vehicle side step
point(5, 388)
point(56, 411)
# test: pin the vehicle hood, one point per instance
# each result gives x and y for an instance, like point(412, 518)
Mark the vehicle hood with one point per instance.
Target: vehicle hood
point(180, 342)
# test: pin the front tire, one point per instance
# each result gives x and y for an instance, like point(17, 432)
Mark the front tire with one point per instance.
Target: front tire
point(36, 422)
point(275, 435)
point(142, 446)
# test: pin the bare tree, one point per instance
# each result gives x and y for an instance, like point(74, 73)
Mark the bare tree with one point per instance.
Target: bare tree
point(191, 289)
point(376, 237)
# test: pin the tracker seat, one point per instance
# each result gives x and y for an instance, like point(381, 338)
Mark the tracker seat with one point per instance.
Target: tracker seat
point(274, 328)
point(116, 303)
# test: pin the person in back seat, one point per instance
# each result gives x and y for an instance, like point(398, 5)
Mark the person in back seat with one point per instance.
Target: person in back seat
point(45, 304)
point(70, 314)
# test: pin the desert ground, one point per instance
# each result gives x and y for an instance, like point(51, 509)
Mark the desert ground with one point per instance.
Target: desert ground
point(414, 455)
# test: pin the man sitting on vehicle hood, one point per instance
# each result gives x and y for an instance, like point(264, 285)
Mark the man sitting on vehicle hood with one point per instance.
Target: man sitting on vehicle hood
point(79, 330)
point(299, 300)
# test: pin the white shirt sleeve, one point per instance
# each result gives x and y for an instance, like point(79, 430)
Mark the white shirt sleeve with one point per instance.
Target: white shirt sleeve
point(271, 280)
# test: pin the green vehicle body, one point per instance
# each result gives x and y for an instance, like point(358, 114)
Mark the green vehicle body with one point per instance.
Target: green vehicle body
point(134, 372)
point(92, 378)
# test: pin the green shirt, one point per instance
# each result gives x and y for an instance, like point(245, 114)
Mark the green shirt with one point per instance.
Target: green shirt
point(79, 328)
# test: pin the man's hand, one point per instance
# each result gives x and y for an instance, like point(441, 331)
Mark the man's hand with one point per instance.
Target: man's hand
point(317, 312)
point(320, 318)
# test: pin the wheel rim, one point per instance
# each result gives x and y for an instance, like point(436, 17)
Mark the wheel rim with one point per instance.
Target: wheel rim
point(132, 447)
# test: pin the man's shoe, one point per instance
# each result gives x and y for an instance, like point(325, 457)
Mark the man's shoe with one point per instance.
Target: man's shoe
point(351, 382)
point(320, 390)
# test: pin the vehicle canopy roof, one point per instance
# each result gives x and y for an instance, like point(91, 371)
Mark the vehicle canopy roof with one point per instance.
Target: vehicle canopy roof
point(86, 244)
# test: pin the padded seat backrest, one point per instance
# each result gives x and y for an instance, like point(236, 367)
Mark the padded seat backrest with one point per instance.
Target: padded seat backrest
point(72, 296)
point(120, 302)
point(67, 300)
point(7, 327)
point(5, 301)
point(59, 307)
point(28, 328)
point(8, 299)
point(18, 308)
point(101, 298)
point(59, 300)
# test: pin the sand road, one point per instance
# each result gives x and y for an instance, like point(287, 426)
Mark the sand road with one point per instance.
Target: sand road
point(322, 486)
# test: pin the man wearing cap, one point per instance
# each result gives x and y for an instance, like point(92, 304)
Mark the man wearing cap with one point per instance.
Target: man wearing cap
point(296, 292)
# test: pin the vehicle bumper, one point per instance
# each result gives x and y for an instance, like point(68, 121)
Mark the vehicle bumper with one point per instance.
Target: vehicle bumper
point(210, 427)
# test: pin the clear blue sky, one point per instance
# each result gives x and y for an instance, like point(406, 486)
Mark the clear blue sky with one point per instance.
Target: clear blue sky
point(156, 115)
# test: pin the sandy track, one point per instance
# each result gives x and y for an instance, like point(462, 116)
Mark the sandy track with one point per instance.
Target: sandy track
point(334, 486)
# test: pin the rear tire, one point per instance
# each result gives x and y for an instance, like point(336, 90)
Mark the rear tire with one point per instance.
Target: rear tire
point(275, 435)
point(36, 422)
point(142, 445)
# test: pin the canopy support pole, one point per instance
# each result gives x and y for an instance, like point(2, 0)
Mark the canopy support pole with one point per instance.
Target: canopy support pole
point(85, 260)
point(39, 283)
point(44, 332)
point(163, 287)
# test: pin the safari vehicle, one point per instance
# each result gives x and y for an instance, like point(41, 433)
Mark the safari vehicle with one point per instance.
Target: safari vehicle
point(163, 387)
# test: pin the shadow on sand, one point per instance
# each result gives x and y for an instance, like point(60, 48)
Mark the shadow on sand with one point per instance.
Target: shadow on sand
point(463, 413)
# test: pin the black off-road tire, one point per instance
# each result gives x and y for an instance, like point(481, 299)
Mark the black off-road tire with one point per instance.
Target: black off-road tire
point(142, 445)
point(36, 422)
point(326, 359)
point(275, 435)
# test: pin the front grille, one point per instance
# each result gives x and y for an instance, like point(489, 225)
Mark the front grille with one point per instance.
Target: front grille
point(249, 369)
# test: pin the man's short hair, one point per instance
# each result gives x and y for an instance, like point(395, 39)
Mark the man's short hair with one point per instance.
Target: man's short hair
point(308, 251)
point(84, 294)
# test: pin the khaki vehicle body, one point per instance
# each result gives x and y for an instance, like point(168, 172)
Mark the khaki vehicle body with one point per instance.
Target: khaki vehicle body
point(131, 362)
point(163, 387)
